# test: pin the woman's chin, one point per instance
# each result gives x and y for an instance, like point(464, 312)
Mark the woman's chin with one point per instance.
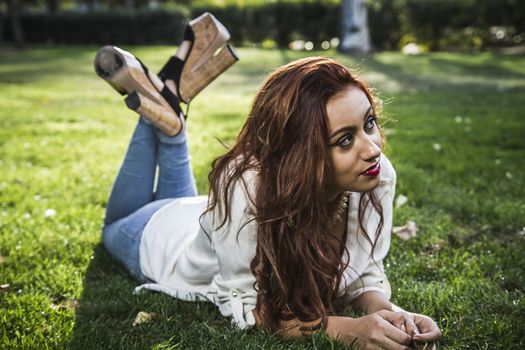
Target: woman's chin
point(365, 185)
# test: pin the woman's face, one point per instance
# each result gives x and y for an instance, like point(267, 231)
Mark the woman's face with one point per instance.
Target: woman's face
point(355, 142)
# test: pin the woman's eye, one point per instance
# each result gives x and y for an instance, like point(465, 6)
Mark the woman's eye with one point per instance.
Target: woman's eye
point(345, 141)
point(370, 123)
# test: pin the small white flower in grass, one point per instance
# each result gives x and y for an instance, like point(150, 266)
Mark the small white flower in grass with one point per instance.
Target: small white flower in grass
point(36, 197)
point(497, 161)
point(458, 119)
point(436, 147)
point(508, 174)
point(401, 200)
point(27, 216)
point(522, 232)
point(50, 213)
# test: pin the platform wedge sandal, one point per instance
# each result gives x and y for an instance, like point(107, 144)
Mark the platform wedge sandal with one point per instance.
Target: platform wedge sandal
point(146, 93)
point(208, 56)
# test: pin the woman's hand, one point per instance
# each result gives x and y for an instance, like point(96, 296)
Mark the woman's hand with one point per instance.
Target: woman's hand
point(421, 328)
point(373, 331)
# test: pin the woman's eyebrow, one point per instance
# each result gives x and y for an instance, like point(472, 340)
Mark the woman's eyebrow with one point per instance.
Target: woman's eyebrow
point(350, 128)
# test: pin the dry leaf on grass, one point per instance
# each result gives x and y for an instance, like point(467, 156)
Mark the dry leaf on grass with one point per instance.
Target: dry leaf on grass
point(71, 304)
point(4, 287)
point(144, 317)
point(406, 232)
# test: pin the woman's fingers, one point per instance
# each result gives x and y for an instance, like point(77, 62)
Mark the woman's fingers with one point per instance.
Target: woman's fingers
point(431, 336)
point(411, 328)
point(424, 323)
point(428, 329)
point(399, 323)
point(395, 334)
point(396, 318)
point(390, 344)
point(403, 321)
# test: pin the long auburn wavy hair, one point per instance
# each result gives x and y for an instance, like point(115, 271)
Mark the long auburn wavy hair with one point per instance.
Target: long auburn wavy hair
point(298, 264)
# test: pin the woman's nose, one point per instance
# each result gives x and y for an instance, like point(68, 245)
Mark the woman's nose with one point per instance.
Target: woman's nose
point(371, 151)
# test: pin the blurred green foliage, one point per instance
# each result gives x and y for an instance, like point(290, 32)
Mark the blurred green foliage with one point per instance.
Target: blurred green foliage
point(454, 123)
point(436, 24)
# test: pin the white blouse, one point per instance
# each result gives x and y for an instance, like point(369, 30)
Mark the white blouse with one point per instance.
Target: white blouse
point(196, 263)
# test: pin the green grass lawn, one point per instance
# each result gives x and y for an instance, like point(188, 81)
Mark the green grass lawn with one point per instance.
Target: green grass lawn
point(455, 126)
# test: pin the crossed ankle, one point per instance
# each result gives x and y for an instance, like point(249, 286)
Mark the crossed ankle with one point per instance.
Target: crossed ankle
point(170, 84)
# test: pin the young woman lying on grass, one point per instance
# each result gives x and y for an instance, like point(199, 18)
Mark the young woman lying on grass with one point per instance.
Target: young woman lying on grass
point(297, 222)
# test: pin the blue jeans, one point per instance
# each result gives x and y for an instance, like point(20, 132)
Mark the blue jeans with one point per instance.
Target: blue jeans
point(134, 199)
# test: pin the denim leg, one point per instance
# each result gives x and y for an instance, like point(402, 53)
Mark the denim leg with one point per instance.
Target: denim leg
point(132, 201)
point(133, 187)
point(122, 238)
point(175, 175)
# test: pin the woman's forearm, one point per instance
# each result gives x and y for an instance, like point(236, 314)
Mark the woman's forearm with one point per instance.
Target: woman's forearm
point(336, 327)
point(372, 301)
point(370, 330)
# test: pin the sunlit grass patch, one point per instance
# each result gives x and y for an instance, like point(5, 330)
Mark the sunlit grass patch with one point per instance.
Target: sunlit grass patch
point(455, 127)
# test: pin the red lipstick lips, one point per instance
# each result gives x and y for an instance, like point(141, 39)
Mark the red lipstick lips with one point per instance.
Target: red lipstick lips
point(372, 171)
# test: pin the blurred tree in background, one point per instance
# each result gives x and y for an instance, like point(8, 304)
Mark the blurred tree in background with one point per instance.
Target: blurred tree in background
point(355, 35)
point(432, 24)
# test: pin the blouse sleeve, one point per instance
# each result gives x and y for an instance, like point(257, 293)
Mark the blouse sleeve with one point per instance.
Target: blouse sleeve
point(367, 272)
point(235, 246)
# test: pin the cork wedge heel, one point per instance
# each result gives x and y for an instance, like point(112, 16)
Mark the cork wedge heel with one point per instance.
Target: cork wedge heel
point(146, 93)
point(209, 55)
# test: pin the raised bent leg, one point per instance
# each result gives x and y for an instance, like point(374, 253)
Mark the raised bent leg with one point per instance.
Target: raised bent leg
point(133, 187)
point(175, 175)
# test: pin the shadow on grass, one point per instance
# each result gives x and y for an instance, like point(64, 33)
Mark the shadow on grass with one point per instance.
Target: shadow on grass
point(104, 319)
point(108, 307)
point(447, 74)
point(42, 62)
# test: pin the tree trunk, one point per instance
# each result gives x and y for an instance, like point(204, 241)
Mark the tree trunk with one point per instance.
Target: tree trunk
point(52, 6)
point(91, 4)
point(130, 5)
point(1, 28)
point(355, 36)
point(13, 9)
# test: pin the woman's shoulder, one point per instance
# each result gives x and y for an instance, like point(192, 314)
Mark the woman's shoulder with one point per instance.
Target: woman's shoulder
point(245, 183)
